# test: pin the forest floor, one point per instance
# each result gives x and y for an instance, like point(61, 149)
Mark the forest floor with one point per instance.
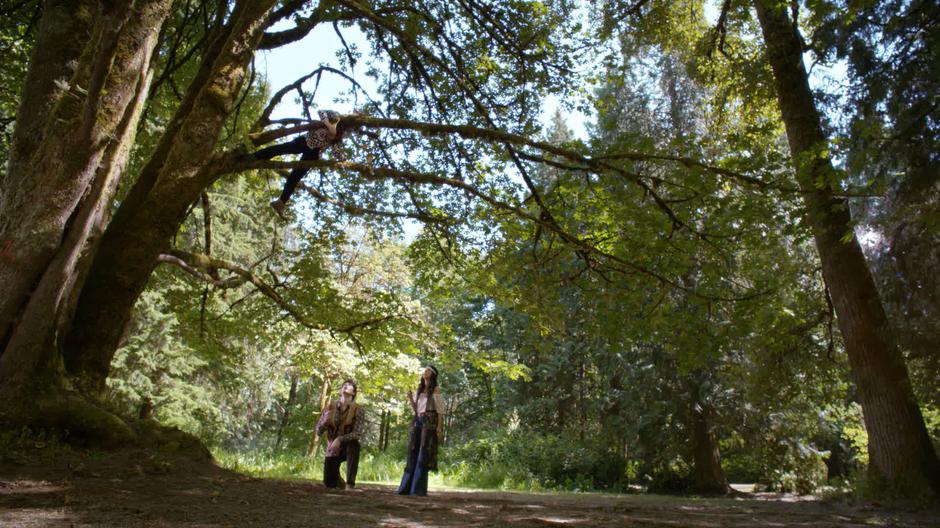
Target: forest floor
point(147, 489)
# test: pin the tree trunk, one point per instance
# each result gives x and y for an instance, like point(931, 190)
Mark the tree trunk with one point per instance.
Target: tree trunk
point(388, 430)
point(145, 412)
point(382, 421)
point(89, 78)
point(53, 203)
point(324, 401)
point(899, 447)
point(285, 417)
point(29, 239)
point(181, 167)
point(707, 475)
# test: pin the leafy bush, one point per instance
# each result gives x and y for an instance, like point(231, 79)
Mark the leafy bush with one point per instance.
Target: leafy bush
point(799, 469)
point(532, 461)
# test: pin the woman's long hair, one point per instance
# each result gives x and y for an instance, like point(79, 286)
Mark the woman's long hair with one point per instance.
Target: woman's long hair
point(430, 387)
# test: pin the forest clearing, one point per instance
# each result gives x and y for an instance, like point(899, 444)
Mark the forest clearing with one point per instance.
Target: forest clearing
point(134, 489)
point(481, 262)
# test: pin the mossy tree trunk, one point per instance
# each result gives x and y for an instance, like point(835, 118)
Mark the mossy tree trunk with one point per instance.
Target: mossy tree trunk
point(63, 174)
point(88, 80)
point(29, 236)
point(900, 450)
point(707, 475)
point(181, 167)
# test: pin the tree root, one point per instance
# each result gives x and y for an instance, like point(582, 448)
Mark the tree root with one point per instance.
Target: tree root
point(81, 422)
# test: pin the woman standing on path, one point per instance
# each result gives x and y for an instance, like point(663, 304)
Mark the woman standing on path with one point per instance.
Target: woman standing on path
point(425, 433)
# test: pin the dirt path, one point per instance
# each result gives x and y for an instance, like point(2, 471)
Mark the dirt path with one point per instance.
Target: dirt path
point(145, 490)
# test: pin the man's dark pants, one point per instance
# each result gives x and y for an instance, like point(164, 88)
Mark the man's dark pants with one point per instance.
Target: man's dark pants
point(349, 453)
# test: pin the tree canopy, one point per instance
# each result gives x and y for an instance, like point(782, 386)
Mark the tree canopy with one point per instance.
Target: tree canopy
point(723, 274)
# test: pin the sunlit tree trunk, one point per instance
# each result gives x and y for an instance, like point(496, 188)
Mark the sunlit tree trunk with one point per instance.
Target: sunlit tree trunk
point(324, 401)
point(899, 447)
point(173, 178)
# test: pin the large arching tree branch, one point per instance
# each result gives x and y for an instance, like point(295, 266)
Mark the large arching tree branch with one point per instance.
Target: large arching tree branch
point(579, 160)
point(356, 121)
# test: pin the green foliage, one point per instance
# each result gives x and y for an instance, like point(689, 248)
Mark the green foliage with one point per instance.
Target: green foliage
point(562, 368)
point(532, 460)
point(17, 31)
point(157, 368)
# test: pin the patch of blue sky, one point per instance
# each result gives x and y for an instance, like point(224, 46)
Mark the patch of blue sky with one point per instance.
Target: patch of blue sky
point(284, 65)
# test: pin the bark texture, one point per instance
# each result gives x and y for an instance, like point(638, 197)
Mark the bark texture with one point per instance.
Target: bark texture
point(30, 238)
point(707, 475)
point(54, 203)
point(900, 450)
point(143, 227)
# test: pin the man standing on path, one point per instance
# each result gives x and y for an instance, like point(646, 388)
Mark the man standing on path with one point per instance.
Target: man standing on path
point(342, 422)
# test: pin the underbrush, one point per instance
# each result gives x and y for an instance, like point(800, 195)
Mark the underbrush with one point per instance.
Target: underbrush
point(22, 446)
point(509, 463)
point(377, 468)
point(380, 468)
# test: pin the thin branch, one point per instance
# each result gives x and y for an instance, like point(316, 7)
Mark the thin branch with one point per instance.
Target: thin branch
point(349, 53)
point(720, 31)
point(265, 118)
point(356, 210)
point(192, 263)
point(383, 173)
point(612, 20)
point(231, 282)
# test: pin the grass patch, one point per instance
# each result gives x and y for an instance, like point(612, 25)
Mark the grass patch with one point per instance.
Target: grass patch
point(381, 468)
point(373, 468)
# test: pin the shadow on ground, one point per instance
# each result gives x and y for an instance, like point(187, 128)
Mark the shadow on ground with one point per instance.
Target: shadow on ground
point(143, 489)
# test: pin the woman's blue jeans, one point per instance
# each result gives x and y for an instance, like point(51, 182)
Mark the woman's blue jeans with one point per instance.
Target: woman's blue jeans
point(415, 479)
